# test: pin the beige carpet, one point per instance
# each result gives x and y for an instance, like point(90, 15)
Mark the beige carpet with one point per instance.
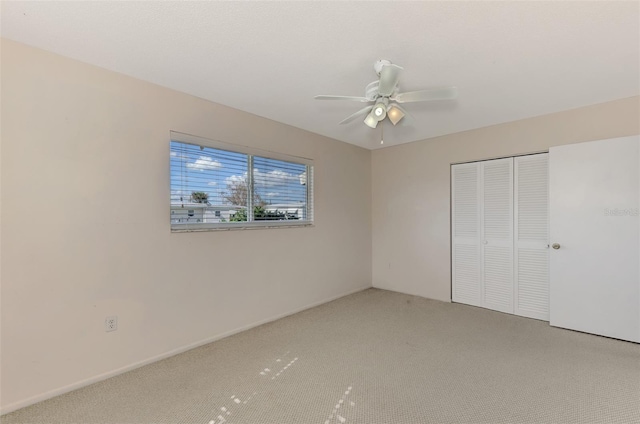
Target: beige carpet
point(374, 357)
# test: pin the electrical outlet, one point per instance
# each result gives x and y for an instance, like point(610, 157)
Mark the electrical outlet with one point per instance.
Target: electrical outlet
point(111, 323)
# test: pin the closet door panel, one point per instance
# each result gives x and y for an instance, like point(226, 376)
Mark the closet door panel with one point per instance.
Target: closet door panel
point(595, 219)
point(497, 234)
point(532, 236)
point(498, 278)
point(465, 230)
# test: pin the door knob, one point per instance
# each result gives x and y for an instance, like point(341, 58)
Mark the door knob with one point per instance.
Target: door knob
point(555, 246)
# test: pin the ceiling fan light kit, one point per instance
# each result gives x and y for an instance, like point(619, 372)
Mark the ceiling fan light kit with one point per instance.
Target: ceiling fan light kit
point(380, 112)
point(395, 114)
point(371, 121)
point(385, 90)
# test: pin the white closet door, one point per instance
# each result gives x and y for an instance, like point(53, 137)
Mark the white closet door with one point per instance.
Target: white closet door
point(465, 230)
point(532, 236)
point(497, 234)
point(595, 207)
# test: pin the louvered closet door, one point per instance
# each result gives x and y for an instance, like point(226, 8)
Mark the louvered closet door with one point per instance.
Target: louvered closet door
point(532, 236)
point(465, 231)
point(497, 235)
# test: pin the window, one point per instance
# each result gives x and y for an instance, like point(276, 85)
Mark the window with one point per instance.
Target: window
point(220, 186)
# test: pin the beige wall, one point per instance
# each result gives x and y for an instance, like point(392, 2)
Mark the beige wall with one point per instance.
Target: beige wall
point(411, 189)
point(81, 148)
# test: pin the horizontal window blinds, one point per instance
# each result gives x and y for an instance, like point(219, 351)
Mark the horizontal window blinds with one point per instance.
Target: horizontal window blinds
point(213, 188)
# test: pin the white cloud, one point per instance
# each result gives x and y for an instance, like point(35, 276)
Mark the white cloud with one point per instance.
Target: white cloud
point(265, 179)
point(175, 154)
point(272, 194)
point(236, 179)
point(272, 178)
point(204, 163)
point(212, 183)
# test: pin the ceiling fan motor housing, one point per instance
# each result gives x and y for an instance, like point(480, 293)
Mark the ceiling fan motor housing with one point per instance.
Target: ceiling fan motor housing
point(371, 90)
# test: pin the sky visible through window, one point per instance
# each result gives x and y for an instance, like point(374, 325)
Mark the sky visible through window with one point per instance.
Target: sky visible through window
point(216, 172)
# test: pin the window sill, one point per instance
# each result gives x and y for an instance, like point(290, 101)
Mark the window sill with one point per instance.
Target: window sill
point(185, 228)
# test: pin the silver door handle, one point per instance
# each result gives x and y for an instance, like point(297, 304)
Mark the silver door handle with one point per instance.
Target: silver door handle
point(555, 246)
point(485, 242)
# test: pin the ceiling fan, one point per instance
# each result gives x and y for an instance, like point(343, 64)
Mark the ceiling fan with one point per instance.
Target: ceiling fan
point(385, 97)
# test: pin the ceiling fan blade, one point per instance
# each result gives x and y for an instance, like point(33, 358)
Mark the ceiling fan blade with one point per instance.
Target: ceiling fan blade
point(389, 76)
point(352, 98)
point(442, 93)
point(355, 115)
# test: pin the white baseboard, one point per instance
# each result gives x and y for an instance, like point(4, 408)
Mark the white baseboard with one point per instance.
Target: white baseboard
point(410, 293)
point(68, 388)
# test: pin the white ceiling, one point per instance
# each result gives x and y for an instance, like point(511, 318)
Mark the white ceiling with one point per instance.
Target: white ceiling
point(510, 60)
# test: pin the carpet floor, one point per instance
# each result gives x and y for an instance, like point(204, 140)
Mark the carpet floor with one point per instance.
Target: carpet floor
point(374, 357)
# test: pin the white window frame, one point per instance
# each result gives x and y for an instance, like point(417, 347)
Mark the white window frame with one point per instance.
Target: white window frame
point(250, 152)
